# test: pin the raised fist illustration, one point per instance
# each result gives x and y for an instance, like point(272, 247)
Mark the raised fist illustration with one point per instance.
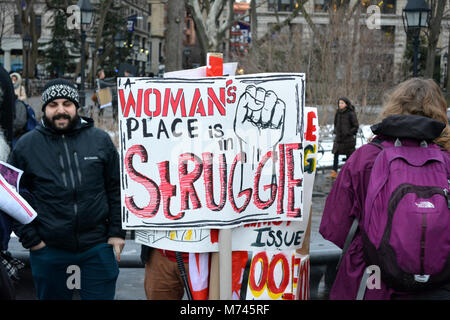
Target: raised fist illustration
point(259, 121)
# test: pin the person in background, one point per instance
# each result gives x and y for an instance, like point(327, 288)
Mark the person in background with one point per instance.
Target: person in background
point(19, 89)
point(103, 82)
point(345, 129)
point(71, 169)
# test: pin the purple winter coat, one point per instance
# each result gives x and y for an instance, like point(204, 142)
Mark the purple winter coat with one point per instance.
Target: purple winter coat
point(344, 203)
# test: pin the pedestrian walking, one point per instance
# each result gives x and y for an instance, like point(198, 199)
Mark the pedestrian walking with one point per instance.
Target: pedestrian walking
point(71, 169)
point(345, 129)
point(388, 208)
point(109, 84)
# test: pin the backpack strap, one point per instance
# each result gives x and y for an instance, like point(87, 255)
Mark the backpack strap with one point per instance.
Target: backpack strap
point(362, 286)
point(377, 143)
point(348, 241)
point(351, 234)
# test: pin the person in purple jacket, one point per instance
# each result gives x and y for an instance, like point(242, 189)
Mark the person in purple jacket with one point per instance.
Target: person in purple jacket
point(345, 203)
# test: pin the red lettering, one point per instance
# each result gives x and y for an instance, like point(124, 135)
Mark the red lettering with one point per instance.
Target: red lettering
point(271, 285)
point(152, 208)
point(273, 187)
point(178, 101)
point(197, 101)
point(310, 128)
point(259, 257)
point(281, 179)
point(292, 183)
point(157, 94)
point(247, 192)
point(208, 178)
point(187, 180)
point(126, 106)
point(212, 100)
point(167, 190)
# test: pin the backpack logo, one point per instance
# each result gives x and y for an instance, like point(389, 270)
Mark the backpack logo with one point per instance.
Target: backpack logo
point(424, 204)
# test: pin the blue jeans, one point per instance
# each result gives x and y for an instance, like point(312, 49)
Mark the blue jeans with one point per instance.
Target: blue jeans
point(57, 272)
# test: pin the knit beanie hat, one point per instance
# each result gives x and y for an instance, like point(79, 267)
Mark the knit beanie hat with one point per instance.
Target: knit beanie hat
point(60, 89)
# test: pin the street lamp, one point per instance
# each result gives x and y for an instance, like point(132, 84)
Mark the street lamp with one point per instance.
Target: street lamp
point(415, 16)
point(26, 43)
point(87, 11)
point(119, 43)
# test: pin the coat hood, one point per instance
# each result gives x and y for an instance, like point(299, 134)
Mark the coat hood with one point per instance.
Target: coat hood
point(19, 79)
point(350, 106)
point(409, 127)
point(4, 147)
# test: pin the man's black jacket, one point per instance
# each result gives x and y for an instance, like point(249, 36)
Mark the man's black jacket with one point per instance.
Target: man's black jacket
point(74, 180)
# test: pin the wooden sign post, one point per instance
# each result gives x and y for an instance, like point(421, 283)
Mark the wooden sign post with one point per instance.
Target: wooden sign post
point(220, 274)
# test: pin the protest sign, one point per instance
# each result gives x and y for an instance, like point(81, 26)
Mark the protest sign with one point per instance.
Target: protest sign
point(211, 152)
point(10, 200)
point(279, 235)
point(271, 275)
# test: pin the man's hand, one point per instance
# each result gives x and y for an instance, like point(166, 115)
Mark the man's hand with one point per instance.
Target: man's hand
point(118, 244)
point(38, 246)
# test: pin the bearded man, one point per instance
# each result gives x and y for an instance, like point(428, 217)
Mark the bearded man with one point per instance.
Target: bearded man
point(71, 169)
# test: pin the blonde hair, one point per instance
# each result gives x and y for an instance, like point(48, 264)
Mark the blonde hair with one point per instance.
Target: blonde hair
point(422, 97)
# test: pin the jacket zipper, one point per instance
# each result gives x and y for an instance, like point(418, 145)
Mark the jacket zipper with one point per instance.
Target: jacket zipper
point(61, 162)
point(77, 166)
point(72, 178)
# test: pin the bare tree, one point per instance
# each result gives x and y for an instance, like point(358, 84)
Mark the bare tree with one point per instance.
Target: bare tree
point(210, 29)
point(6, 10)
point(26, 9)
point(340, 58)
point(434, 30)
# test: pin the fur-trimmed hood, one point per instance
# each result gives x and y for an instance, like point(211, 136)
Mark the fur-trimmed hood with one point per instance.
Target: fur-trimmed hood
point(19, 79)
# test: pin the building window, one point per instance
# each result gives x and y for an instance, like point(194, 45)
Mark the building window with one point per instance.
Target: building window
point(386, 6)
point(320, 6)
point(18, 25)
point(282, 5)
point(149, 9)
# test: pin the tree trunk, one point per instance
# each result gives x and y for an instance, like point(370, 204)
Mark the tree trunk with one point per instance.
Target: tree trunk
point(174, 35)
point(210, 30)
point(253, 22)
point(104, 7)
point(435, 29)
point(28, 22)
